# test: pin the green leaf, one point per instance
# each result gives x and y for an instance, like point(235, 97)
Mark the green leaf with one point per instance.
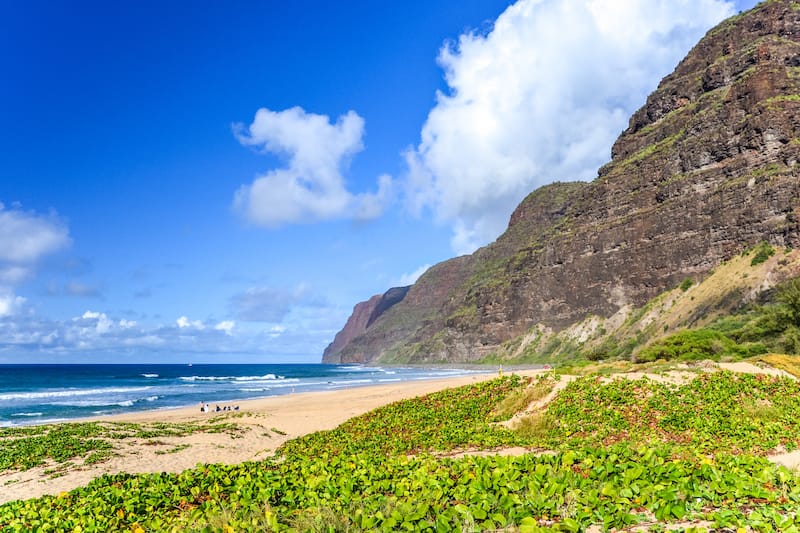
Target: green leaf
point(678, 510)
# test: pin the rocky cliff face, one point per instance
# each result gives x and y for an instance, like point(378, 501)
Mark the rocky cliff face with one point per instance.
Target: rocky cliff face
point(708, 167)
point(364, 314)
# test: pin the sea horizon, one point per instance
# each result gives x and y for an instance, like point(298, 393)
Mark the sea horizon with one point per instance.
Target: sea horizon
point(43, 393)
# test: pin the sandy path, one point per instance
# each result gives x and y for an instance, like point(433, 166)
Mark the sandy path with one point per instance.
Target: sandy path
point(267, 423)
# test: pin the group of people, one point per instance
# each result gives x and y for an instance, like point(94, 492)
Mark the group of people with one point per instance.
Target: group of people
point(205, 408)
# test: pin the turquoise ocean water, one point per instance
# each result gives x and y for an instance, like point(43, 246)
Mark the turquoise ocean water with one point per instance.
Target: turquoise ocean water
point(37, 394)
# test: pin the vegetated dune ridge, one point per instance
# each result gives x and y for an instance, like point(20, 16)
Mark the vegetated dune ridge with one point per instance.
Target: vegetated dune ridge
point(265, 424)
point(262, 426)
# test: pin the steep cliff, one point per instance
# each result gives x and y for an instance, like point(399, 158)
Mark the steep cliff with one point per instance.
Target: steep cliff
point(364, 314)
point(707, 168)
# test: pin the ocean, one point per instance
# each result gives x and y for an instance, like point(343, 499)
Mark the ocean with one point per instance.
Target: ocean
point(40, 394)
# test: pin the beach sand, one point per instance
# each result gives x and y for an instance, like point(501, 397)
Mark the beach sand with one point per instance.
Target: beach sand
point(267, 423)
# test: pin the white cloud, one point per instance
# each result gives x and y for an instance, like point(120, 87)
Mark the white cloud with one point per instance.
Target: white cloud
point(96, 336)
point(94, 322)
point(183, 322)
point(311, 186)
point(541, 98)
point(10, 304)
point(25, 237)
point(226, 326)
point(412, 277)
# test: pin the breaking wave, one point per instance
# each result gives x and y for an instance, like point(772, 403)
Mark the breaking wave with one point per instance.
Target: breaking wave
point(67, 393)
point(266, 377)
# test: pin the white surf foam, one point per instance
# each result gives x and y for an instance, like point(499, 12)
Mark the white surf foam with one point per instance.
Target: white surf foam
point(68, 393)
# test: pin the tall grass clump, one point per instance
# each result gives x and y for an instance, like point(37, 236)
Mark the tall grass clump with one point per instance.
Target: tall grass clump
point(519, 399)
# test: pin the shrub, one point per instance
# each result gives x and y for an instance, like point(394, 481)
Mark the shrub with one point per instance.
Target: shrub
point(763, 252)
point(697, 344)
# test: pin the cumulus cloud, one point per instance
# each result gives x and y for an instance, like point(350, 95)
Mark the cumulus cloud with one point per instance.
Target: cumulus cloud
point(98, 321)
point(96, 335)
point(226, 326)
point(25, 237)
point(311, 186)
point(541, 98)
point(184, 323)
point(10, 303)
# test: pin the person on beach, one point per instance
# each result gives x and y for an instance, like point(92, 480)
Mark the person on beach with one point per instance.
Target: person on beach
point(202, 407)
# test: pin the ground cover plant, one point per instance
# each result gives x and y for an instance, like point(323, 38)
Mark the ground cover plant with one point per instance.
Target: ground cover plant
point(600, 475)
point(715, 412)
point(453, 418)
point(22, 448)
point(615, 487)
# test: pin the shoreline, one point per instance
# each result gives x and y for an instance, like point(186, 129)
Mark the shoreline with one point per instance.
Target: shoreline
point(265, 423)
point(449, 371)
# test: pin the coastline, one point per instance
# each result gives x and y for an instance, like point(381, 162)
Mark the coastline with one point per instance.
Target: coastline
point(265, 423)
point(52, 395)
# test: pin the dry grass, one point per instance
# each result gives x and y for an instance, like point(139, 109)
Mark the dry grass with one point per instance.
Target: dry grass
point(521, 399)
point(785, 362)
point(603, 368)
point(535, 426)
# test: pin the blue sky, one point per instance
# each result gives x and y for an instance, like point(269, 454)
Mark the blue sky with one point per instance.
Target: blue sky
point(222, 182)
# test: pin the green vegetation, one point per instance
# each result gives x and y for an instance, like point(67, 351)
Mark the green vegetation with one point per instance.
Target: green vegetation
point(615, 488)
point(608, 452)
point(709, 321)
point(627, 453)
point(650, 149)
point(520, 398)
point(423, 424)
point(778, 101)
point(464, 318)
point(714, 413)
point(763, 252)
point(775, 325)
point(26, 447)
point(697, 344)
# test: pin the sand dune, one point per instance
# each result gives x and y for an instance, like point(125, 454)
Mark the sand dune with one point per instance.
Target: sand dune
point(267, 423)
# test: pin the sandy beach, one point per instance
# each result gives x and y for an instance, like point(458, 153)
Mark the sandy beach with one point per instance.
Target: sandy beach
point(266, 424)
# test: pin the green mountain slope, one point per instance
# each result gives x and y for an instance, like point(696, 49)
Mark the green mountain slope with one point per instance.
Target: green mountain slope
point(707, 168)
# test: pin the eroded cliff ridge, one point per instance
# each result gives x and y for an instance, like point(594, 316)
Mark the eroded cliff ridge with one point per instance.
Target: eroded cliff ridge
point(364, 314)
point(708, 167)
